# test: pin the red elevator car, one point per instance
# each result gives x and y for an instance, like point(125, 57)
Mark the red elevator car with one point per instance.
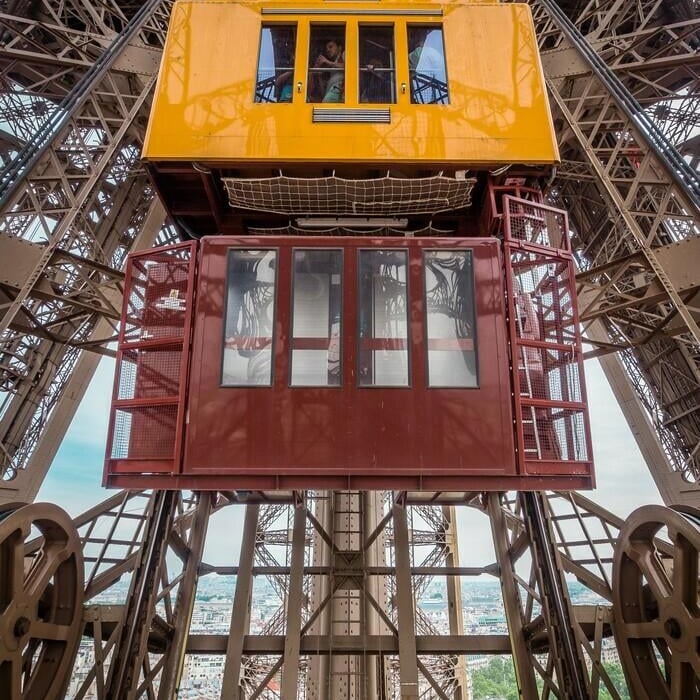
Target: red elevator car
point(431, 363)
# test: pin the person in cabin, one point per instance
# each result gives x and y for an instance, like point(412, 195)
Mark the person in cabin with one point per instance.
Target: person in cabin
point(375, 85)
point(332, 58)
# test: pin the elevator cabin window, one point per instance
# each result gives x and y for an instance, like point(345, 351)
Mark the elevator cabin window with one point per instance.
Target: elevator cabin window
point(275, 77)
point(450, 327)
point(326, 81)
point(377, 64)
point(426, 65)
point(250, 311)
point(316, 318)
point(383, 322)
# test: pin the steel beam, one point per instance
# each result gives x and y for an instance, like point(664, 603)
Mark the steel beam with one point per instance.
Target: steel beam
point(240, 615)
point(292, 644)
point(408, 668)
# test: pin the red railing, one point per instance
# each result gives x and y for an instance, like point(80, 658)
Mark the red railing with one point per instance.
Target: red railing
point(148, 402)
point(551, 412)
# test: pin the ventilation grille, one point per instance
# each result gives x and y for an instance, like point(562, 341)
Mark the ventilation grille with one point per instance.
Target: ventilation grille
point(352, 116)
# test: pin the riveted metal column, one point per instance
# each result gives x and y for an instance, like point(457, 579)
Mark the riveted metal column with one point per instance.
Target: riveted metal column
point(133, 644)
point(404, 603)
point(290, 670)
point(570, 666)
point(240, 615)
point(522, 661)
point(172, 672)
point(454, 597)
point(374, 555)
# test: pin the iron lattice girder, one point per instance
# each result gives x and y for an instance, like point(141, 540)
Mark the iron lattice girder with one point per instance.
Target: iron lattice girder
point(624, 36)
point(118, 538)
point(85, 202)
point(115, 536)
point(626, 212)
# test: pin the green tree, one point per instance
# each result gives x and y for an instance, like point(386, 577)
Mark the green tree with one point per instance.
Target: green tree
point(496, 681)
point(617, 677)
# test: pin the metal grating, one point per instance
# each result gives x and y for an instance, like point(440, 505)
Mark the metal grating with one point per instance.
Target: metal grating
point(550, 400)
point(145, 433)
point(340, 197)
point(536, 223)
point(157, 301)
point(149, 373)
point(557, 435)
point(149, 394)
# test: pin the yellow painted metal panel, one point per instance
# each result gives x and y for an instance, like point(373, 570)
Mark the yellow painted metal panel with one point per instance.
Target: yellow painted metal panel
point(204, 110)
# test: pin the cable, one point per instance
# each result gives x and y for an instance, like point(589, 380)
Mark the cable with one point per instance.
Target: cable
point(685, 178)
point(33, 151)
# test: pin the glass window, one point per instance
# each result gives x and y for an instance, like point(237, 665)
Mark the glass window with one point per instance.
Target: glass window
point(426, 65)
point(275, 79)
point(383, 351)
point(449, 303)
point(250, 307)
point(326, 81)
point(316, 317)
point(377, 64)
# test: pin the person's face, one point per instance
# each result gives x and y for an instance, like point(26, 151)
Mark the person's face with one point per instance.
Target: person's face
point(332, 50)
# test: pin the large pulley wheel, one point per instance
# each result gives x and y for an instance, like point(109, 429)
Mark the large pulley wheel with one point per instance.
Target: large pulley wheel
point(656, 611)
point(41, 596)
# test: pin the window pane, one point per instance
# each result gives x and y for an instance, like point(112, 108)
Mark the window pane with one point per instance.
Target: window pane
point(250, 307)
point(377, 65)
point(326, 81)
point(317, 304)
point(449, 292)
point(383, 351)
point(426, 64)
point(275, 79)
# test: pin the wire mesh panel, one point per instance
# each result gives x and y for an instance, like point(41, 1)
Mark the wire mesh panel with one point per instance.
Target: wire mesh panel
point(145, 431)
point(156, 295)
point(145, 373)
point(550, 401)
point(535, 223)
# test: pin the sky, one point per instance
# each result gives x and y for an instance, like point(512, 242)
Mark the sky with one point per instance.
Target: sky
point(623, 480)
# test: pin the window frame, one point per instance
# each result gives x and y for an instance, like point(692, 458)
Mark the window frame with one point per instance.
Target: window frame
point(341, 351)
point(426, 337)
point(395, 28)
point(275, 312)
point(269, 25)
point(311, 24)
point(358, 307)
point(431, 26)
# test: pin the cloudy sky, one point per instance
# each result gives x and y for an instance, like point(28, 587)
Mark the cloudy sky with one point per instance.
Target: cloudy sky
point(624, 482)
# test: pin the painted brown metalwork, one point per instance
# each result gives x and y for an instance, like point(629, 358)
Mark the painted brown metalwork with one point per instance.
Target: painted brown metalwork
point(254, 421)
point(656, 603)
point(640, 329)
point(41, 597)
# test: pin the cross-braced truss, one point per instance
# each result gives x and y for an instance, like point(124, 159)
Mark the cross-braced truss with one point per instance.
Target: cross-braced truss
point(624, 83)
point(73, 202)
point(74, 95)
point(349, 570)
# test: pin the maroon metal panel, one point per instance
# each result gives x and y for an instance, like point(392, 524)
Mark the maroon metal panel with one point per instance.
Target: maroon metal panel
point(551, 413)
point(148, 403)
point(417, 436)
point(322, 436)
point(431, 482)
